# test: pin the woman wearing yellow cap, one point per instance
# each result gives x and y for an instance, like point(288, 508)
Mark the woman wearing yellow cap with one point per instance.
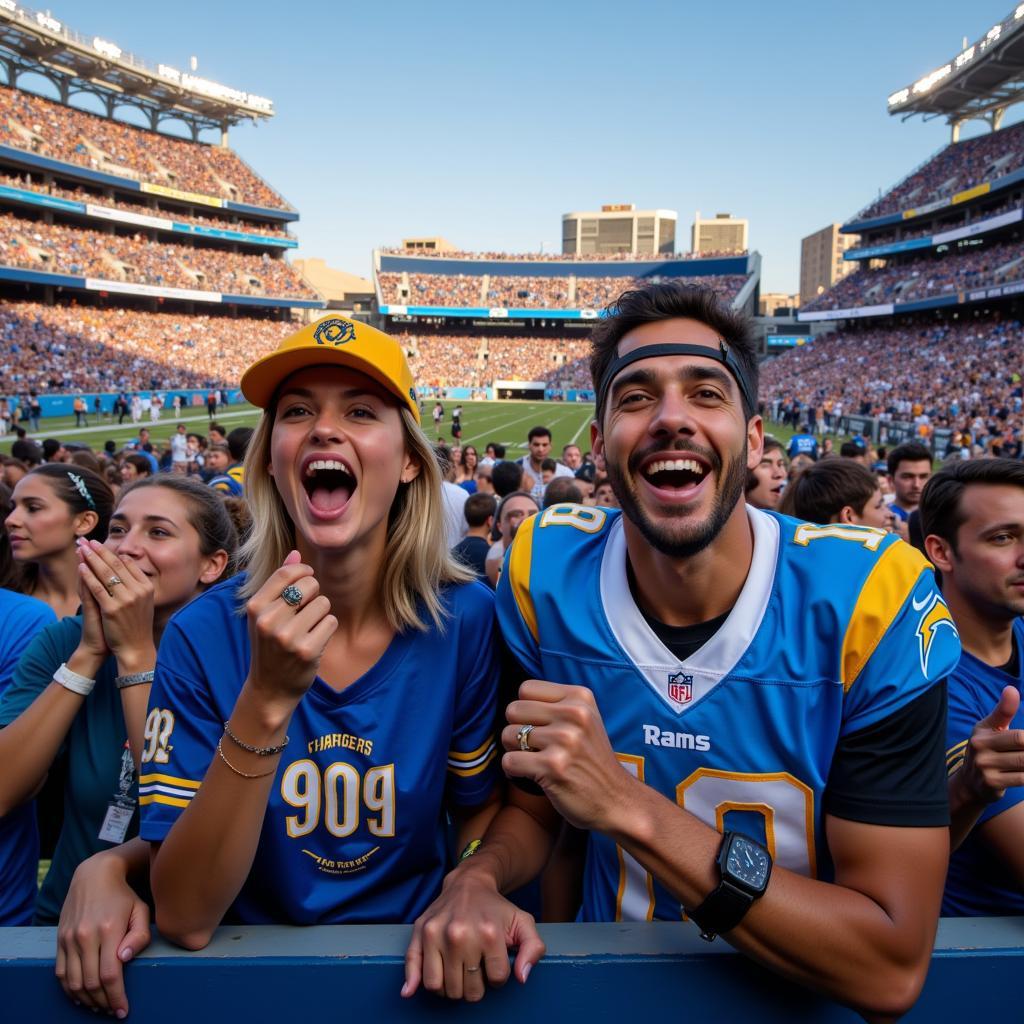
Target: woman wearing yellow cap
point(312, 722)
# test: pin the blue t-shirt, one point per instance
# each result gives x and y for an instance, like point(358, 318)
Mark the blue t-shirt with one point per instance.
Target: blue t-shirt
point(355, 828)
point(836, 629)
point(99, 764)
point(979, 883)
point(803, 444)
point(21, 618)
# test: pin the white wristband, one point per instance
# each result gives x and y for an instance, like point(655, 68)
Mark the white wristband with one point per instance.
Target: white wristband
point(74, 682)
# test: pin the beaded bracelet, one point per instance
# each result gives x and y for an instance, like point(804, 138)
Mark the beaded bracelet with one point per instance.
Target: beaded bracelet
point(262, 751)
point(238, 771)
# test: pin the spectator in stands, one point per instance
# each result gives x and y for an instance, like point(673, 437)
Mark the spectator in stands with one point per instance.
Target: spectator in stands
point(837, 491)
point(539, 443)
point(909, 466)
point(507, 477)
point(972, 516)
point(513, 509)
point(134, 467)
point(562, 490)
point(83, 682)
point(572, 457)
point(22, 618)
point(472, 549)
point(803, 444)
point(766, 481)
point(604, 495)
point(54, 451)
point(52, 507)
point(454, 497)
point(855, 452)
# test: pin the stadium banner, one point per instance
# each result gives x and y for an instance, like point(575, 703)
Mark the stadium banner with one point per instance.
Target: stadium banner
point(1016, 288)
point(94, 284)
point(36, 199)
point(884, 250)
point(971, 193)
point(640, 267)
point(498, 314)
point(978, 227)
point(126, 217)
point(261, 211)
point(234, 236)
point(920, 211)
point(277, 302)
point(39, 277)
point(866, 426)
point(490, 314)
point(177, 193)
point(855, 227)
point(885, 309)
point(897, 433)
point(787, 340)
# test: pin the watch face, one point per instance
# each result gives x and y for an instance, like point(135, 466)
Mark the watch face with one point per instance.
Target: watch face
point(748, 863)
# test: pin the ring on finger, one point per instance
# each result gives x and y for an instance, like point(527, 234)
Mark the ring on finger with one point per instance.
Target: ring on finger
point(472, 970)
point(114, 581)
point(292, 595)
point(523, 736)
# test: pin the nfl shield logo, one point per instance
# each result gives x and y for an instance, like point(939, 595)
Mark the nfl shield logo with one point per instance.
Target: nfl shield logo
point(680, 688)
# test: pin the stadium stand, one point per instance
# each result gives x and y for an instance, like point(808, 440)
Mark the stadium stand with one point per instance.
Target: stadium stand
point(79, 348)
point(74, 136)
point(958, 167)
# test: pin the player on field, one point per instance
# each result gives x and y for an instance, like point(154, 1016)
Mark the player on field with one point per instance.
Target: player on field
point(745, 711)
point(972, 515)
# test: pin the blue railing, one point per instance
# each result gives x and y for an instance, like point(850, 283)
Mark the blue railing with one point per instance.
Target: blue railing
point(592, 973)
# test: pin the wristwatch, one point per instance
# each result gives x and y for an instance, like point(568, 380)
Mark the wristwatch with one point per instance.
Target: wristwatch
point(745, 868)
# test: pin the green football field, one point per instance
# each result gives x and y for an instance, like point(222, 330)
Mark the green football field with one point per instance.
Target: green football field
point(505, 422)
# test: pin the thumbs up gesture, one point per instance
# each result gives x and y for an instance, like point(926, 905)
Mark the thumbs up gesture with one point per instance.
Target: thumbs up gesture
point(994, 756)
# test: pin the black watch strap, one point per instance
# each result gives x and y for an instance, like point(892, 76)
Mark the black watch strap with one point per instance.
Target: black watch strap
point(721, 911)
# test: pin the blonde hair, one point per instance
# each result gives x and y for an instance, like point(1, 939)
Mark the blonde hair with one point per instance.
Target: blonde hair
point(417, 562)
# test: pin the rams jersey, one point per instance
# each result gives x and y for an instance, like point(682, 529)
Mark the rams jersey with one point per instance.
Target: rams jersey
point(835, 629)
point(355, 829)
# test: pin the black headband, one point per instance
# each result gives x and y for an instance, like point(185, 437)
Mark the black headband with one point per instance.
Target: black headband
point(723, 354)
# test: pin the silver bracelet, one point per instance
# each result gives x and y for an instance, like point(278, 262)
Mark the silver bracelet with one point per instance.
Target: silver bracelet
point(134, 679)
point(70, 680)
point(261, 751)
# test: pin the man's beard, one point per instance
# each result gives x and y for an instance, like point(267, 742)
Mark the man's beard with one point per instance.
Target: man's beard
point(691, 540)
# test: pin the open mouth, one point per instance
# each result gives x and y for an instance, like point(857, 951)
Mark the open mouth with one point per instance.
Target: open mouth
point(674, 474)
point(329, 484)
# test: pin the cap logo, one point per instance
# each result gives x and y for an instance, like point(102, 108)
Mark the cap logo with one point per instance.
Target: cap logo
point(334, 332)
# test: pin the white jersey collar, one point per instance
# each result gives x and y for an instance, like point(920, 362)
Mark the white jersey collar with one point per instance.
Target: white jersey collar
point(682, 684)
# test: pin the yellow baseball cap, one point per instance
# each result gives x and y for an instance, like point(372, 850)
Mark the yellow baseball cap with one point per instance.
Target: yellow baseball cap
point(334, 340)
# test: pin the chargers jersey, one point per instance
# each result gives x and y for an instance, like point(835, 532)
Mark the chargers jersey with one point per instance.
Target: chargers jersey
point(836, 628)
point(355, 829)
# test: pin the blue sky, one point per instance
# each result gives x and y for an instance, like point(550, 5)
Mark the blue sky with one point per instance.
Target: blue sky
point(484, 123)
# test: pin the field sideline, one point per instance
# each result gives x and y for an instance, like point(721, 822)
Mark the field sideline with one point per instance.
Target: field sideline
point(506, 422)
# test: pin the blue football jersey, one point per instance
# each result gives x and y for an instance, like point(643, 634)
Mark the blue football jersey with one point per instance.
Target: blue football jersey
point(979, 883)
point(836, 628)
point(355, 829)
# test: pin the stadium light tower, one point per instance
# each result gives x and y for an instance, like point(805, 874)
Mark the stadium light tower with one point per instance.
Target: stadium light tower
point(979, 83)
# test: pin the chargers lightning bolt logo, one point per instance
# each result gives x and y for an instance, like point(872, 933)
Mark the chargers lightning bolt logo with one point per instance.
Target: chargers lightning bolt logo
point(934, 615)
point(334, 332)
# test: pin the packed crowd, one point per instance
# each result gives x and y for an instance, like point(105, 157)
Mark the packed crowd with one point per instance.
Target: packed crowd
point(85, 349)
point(558, 257)
point(968, 217)
point(511, 291)
point(74, 136)
point(64, 249)
point(961, 374)
point(925, 278)
point(81, 195)
point(959, 166)
point(447, 361)
point(279, 689)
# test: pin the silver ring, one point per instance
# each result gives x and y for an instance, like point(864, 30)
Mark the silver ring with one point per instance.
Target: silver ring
point(292, 595)
point(114, 581)
point(524, 737)
point(471, 970)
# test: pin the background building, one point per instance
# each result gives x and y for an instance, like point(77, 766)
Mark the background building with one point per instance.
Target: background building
point(349, 293)
point(767, 305)
point(721, 234)
point(619, 228)
point(431, 244)
point(821, 260)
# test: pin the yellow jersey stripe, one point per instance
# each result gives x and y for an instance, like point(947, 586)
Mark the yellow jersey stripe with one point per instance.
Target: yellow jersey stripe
point(171, 780)
point(954, 767)
point(519, 574)
point(465, 773)
point(160, 798)
point(454, 755)
point(956, 750)
point(888, 586)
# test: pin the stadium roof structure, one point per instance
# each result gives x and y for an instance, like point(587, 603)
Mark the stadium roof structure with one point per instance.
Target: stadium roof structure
point(979, 83)
point(36, 42)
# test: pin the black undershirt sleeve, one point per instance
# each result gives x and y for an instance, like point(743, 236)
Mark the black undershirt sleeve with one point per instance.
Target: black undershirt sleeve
point(894, 772)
